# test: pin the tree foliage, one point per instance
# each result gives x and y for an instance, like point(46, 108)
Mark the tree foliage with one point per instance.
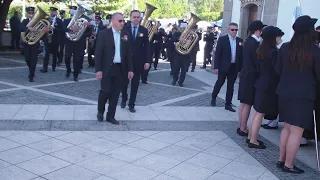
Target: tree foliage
point(209, 10)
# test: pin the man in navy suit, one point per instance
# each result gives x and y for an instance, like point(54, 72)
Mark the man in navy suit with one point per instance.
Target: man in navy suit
point(227, 64)
point(140, 56)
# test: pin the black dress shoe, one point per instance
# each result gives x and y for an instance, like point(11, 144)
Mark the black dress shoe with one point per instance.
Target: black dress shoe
point(181, 85)
point(132, 109)
point(100, 117)
point(260, 146)
point(31, 80)
point(280, 165)
point(213, 103)
point(43, 71)
point(174, 83)
point(144, 82)
point(155, 68)
point(123, 104)
point(203, 67)
point(266, 126)
point(294, 170)
point(229, 108)
point(112, 120)
point(53, 69)
point(75, 79)
point(241, 133)
point(192, 70)
point(248, 140)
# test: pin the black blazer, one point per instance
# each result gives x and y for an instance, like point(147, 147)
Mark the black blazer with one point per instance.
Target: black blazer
point(250, 56)
point(209, 39)
point(268, 78)
point(140, 46)
point(65, 24)
point(105, 51)
point(222, 59)
point(24, 28)
point(58, 29)
point(297, 84)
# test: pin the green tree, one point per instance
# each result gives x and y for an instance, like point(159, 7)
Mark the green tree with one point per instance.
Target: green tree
point(209, 10)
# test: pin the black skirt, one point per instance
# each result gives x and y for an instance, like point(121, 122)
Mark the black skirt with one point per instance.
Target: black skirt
point(297, 112)
point(266, 103)
point(246, 88)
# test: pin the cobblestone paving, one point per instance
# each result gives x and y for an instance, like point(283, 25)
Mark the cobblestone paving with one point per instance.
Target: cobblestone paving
point(3, 86)
point(201, 100)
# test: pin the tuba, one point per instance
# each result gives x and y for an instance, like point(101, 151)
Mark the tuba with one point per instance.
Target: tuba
point(189, 36)
point(39, 23)
point(151, 25)
point(79, 20)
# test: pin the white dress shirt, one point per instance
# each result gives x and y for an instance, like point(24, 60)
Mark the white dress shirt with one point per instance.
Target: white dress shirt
point(233, 45)
point(117, 41)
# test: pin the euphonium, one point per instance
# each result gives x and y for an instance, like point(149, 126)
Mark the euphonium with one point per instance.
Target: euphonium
point(151, 25)
point(39, 23)
point(79, 20)
point(189, 37)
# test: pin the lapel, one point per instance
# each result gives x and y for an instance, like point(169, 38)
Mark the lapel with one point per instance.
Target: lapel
point(229, 44)
point(237, 47)
point(112, 40)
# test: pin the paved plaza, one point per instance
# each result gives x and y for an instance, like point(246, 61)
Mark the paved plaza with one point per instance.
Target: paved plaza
point(49, 131)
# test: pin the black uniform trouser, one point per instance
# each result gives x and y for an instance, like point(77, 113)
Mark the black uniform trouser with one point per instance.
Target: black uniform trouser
point(231, 77)
point(111, 85)
point(82, 55)
point(207, 55)
point(157, 49)
point(51, 48)
point(145, 73)
point(91, 50)
point(193, 58)
point(61, 51)
point(15, 39)
point(73, 49)
point(180, 62)
point(31, 57)
point(134, 87)
point(171, 52)
point(163, 52)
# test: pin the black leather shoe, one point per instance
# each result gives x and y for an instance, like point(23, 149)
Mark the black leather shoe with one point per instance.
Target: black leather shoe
point(123, 104)
point(280, 165)
point(112, 120)
point(213, 103)
point(75, 79)
point(31, 80)
point(203, 67)
point(294, 170)
point(266, 126)
point(174, 83)
point(43, 71)
point(248, 140)
point(53, 69)
point(260, 146)
point(100, 117)
point(192, 70)
point(181, 85)
point(132, 109)
point(229, 108)
point(241, 133)
point(144, 82)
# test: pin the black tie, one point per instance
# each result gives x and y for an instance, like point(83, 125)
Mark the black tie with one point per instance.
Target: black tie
point(134, 33)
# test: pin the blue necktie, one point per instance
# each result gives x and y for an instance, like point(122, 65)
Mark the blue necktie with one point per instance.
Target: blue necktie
point(134, 33)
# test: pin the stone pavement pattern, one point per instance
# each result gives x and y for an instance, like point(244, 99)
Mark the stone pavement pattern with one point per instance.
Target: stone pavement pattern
point(48, 130)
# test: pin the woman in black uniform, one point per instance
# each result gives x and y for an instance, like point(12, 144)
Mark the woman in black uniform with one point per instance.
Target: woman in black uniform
point(248, 75)
point(299, 69)
point(266, 99)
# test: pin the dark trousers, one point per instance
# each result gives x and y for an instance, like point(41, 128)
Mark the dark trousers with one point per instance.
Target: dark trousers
point(73, 49)
point(180, 62)
point(134, 88)
point(111, 85)
point(91, 50)
point(31, 57)
point(231, 77)
point(207, 55)
point(171, 51)
point(157, 49)
point(145, 73)
point(193, 58)
point(15, 39)
point(61, 52)
point(51, 48)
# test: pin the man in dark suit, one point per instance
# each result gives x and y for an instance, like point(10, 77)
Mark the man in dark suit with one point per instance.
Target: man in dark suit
point(97, 27)
point(209, 38)
point(62, 42)
point(195, 49)
point(51, 42)
point(140, 56)
point(113, 59)
point(227, 64)
point(15, 30)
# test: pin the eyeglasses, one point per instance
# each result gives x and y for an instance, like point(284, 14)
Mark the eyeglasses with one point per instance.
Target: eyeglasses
point(234, 29)
point(121, 21)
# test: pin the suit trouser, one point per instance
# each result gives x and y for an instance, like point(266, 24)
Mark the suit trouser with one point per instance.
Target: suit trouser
point(134, 88)
point(145, 73)
point(51, 48)
point(193, 57)
point(61, 51)
point(15, 39)
point(231, 77)
point(91, 50)
point(73, 49)
point(31, 57)
point(111, 85)
point(157, 49)
point(182, 63)
point(207, 55)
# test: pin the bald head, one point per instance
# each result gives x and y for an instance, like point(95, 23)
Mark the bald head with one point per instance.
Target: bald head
point(117, 21)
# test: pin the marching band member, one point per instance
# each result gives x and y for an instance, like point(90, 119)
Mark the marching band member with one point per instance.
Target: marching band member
point(209, 38)
point(51, 42)
point(195, 50)
point(62, 43)
point(92, 43)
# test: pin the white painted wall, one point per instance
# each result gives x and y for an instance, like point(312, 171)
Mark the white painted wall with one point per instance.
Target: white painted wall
point(285, 14)
point(236, 11)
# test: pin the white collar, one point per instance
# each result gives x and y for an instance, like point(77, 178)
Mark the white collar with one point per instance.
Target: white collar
point(230, 37)
point(132, 26)
point(255, 37)
point(114, 31)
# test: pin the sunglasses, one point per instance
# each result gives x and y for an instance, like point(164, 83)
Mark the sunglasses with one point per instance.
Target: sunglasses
point(121, 21)
point(234, 29)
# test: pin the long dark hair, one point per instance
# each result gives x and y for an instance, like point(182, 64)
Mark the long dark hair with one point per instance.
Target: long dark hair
point(265, 46)
point(250, 33)
point(300, 49)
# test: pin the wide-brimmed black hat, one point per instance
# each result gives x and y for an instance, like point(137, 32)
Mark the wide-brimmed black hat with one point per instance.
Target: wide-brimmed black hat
point(304, 24)
point(256, 25)
point(53, 9)
point(30, 9)
point(270, 32)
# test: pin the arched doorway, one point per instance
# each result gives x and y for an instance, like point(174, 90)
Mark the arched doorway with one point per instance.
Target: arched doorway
point(249, 13)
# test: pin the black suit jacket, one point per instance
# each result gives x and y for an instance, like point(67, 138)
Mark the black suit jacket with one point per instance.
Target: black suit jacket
point(65, 23)
point(140, 47)
point(250, 56)
point(222, 59)
point(268, 78)
point(105, 52)
point(58, 29)
point(295, 84)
